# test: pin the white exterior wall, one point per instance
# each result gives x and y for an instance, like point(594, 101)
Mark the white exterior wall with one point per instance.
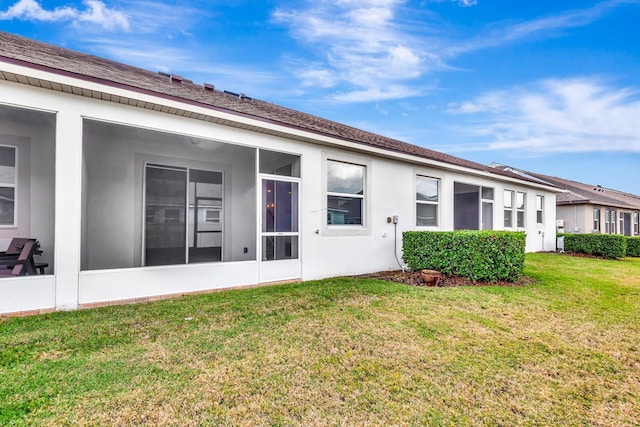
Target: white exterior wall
point(324, 251)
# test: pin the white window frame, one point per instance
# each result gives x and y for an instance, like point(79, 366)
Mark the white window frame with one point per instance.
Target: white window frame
point(522, 210)
point(15, 188)
point(485, 201)
point(636, 222)
point(346, 230)
point(427, 202)
point(610, 221)
point(506, 208)
point(596, 219)
point(539, 209)
point(215, 220)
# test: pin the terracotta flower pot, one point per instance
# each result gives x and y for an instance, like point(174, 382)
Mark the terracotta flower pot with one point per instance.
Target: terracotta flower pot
point(430, 277)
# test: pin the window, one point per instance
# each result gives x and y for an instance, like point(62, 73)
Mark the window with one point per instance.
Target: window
point(426, 201)
point(621, 223)
point(636, 223)
point(521, 199)
point(610, 221)
point(508, 208)
point(8, 176)
point(345, 193)
point(540, 209)
point(212, 215)
point(596, 220)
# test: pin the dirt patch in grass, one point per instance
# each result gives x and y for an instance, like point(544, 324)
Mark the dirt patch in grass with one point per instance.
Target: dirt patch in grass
point(413, 278)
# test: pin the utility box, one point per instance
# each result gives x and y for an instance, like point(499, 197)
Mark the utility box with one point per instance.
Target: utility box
point(560, 244)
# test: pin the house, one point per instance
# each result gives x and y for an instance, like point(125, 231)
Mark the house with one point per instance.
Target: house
point(589, 208)
point(140, 185)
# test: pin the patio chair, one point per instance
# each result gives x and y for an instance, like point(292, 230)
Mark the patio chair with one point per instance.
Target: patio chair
point(13, 251)
point(15, 247)
point(23, 264)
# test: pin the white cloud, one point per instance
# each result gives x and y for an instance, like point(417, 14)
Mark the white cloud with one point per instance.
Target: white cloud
point(369, 44)
point(548, 26)
point(376, 94)
point(363, 45)
point(316, 77)
point(570, 115)
point(95, 12)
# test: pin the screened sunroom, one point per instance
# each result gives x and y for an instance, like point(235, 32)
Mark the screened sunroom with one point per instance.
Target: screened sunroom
point(27, 183)
point(152, 199)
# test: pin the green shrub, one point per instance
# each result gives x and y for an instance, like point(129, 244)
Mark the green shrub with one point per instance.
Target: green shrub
point(633, 246)
point(610, 246)
point(478, 255)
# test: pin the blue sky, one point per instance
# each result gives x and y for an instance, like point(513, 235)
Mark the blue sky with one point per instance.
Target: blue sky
point(548, 86)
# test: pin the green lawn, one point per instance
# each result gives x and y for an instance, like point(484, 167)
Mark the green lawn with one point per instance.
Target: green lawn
point(565, 351)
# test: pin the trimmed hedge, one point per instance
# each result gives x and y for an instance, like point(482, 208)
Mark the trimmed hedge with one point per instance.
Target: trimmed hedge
point(633, 246)
point(478, 255)
point(610, 246)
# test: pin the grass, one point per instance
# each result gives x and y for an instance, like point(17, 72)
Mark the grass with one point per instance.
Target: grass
point(565, 351)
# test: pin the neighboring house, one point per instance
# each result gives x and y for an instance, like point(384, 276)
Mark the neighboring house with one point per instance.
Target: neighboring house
point(139, 184)
point(587, 208)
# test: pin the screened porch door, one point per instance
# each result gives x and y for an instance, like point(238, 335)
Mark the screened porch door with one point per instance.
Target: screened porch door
point(279, 230)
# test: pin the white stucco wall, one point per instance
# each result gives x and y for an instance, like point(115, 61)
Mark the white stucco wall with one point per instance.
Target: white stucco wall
point(116, 207)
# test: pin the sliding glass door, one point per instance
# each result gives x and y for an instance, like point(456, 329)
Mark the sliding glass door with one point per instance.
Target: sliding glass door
point(165, 218)
point(183, 215)
point(205, 216)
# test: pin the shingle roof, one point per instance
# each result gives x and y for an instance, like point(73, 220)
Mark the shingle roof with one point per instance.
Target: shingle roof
point(56, 59)
point(581, 193)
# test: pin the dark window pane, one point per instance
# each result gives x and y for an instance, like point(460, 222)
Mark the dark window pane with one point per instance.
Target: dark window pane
point(508, 218)
point(487, 216)
point(487, 193)
point(426, 215)
point(466, 207)
point(344, 210)
point(7, 156)
point(7, 165)
point(283, 164)
point(7, 205)
point(280, 213)
point(279, 247)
